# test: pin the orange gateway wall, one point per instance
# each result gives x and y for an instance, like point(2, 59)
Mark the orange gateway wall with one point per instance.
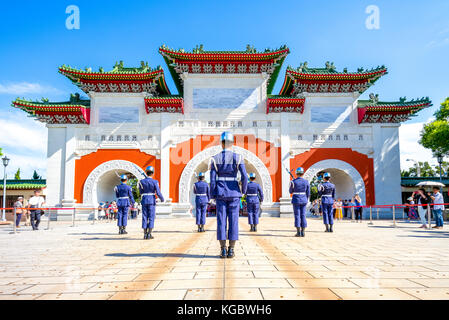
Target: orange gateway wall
point(266, 151)
point(361, 162)
point(87, 163)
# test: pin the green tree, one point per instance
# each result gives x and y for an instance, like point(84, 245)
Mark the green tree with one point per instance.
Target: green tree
point(36, 176)
point(314, 189)
point(435, 135)
point(426, 170)
point(17, 175)
point(133, 183)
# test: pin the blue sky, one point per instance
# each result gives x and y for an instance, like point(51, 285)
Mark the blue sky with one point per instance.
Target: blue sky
point(413, 42)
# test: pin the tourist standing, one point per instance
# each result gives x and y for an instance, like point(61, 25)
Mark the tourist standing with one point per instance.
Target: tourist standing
point(36, 202)
point(225, 188)
point(358, 208)
point(438, 207)
point(422, 201)
point(149, 189)
point(326, 191)
point(254, 197)
point(300, 189)
point(345, 208)
point(18, 206)
point(125, 199)
point(338, 210)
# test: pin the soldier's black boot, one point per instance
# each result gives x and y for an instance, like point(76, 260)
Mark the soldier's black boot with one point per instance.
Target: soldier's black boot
point(255, 228)
point(145, 233)
point(231, 249)
point(119, 230)
point(331, 228)
point(298, 232)
point(199, 228)
point(327, 228)
point(124, 230)
point(252, 228)
point(202, 228)
point(303, 232)
point(223, 249)
point(150, 236)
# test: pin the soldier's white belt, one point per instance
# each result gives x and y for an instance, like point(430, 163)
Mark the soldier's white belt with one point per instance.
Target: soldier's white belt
point(252, 195)
point(148, 194)
point(226, 179)
point(201, 194)
point(326, 195)
point(300, 193)
point(123, 197)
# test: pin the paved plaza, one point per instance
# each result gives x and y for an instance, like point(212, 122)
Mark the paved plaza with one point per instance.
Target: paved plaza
point(358, 261)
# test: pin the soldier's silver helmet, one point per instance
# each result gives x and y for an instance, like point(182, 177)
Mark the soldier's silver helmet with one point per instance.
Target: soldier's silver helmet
point(227, 137)
point(123, 177)
point(326, 175)
point(149, 169)
point(201, 174)
point(252, 175)
point(300, 170)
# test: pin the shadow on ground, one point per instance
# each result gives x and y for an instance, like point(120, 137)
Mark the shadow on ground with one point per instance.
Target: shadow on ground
point(161, 255)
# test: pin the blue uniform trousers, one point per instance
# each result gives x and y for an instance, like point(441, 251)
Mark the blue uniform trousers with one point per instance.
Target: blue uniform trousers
point(201, 213)
point(122, 216)
point(228, 218)
point(299, 211)
point(253, 213)
point(148, 215)
point(328, 217)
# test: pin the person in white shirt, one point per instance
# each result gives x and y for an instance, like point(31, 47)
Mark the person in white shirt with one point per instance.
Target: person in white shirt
point(438, 207)
point(37, 201)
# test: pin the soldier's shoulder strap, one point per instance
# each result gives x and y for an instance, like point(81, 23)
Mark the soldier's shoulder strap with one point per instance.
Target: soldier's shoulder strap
point(213, 163)
point(239, 158)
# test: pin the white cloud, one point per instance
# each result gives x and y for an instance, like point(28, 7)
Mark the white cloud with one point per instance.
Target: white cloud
point(26, 88)
point(24, 135)
point(409, 135)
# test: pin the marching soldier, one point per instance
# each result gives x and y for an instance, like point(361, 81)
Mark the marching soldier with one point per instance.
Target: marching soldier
point(300, 189)
point(125, 199)
point(254, 196)
point(226, 190)
point(148, 189)
point(202, 197)
point(326, 191)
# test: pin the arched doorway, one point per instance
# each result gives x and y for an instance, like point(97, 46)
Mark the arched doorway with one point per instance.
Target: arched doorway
point(200, 163)
point(346, 178)
point(99, 185)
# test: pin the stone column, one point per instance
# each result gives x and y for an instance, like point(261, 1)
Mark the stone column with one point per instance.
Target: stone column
point(165, 144)
point(285, 208)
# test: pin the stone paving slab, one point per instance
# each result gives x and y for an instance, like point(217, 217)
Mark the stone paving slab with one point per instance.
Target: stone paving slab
point(357, 261)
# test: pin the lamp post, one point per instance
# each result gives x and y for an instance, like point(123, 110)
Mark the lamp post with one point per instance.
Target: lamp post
point(5, 160)
point(440, 162)
point(418, 169)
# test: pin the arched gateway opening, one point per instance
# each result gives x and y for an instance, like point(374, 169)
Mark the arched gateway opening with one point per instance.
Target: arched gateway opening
point(200, 163)
point(99, 185)
point(346, 178)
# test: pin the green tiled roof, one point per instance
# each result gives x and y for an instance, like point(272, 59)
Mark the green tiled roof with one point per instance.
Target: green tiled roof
point(413, 181)
point(25, 184)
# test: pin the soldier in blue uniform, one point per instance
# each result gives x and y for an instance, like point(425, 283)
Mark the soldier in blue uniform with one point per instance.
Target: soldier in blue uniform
point(300, 189)
point(254, 196)
point(125, 199)
point(148, 189)
point(202, 197)
point(225, 188)
point(326, 191)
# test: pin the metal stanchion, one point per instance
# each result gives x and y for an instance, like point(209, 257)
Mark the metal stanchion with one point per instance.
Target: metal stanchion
point(370, 215)
point(377, 213)
point(394, 217)
point(49, 218)
point(403, 214)
point(429, 217)
point(15, 219)
point(352, 213)
point(93, 219)
point(73, 217)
